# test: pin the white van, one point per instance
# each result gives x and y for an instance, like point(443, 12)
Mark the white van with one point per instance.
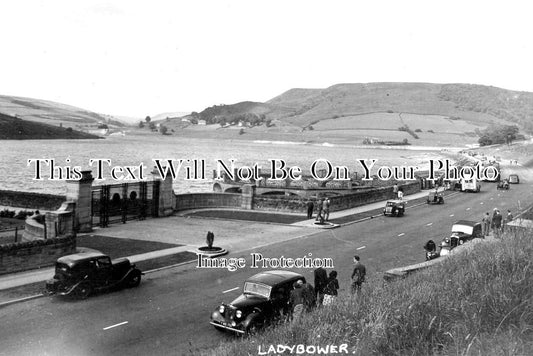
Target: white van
point(470, 185)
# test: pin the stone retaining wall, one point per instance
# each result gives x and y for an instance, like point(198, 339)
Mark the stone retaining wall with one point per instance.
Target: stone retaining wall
point(347, 201)
point(31, 201)
point(22, 256)
point(208, 200)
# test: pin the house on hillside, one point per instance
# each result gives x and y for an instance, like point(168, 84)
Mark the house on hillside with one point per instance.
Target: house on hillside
point(202, 122)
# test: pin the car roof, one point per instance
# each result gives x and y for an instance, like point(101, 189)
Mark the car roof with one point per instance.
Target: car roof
point(274, 277)
point(71, 260)
point(466, 222)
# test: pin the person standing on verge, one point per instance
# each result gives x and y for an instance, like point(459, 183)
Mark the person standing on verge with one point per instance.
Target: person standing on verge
point(321, 280)
point(358, 275)
point(508, 219)
point(497, 223)
point(331, 290)
point(400, 194)
point(296, 300)
point(486, 224)
point(310, 208)
point(309, 296)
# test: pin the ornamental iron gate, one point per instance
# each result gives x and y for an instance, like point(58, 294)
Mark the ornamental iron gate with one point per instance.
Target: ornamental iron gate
point(114, 203)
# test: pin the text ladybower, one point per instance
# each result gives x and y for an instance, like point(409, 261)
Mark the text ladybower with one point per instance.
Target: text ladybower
point(257, 260)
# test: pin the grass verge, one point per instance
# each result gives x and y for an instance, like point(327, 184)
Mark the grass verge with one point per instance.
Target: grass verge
point(478, 302)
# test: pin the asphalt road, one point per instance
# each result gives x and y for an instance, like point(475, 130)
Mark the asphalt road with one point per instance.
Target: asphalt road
point(169, 312)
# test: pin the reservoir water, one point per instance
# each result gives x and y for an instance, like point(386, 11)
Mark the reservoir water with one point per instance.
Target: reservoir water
point(17, 174)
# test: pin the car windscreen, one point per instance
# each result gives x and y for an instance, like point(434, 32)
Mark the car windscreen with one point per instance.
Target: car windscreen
point(257, 289)
point(62, 268)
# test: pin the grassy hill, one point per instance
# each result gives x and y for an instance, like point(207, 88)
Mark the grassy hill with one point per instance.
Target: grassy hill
point(422, 113)
point(53, 113)
point(12, 128)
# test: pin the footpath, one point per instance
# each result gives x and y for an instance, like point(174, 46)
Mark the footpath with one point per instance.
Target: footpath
point(233, 235)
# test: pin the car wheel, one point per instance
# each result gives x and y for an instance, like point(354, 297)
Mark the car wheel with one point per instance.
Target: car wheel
point(83, 290)
point(135, 279)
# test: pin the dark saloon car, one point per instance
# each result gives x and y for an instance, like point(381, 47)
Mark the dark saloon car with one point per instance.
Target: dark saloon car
point(264, 300)
point(82, 273)
point(394, 208)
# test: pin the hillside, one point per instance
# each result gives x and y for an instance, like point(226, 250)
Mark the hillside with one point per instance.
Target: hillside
point(12, 128)
point(53, 113)
point(421, 113)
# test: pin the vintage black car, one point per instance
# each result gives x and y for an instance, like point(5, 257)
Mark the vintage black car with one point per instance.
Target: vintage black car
point(435, 197)
point(264, 300)
point(82, 273)
point(462, 231)
point(394, 208)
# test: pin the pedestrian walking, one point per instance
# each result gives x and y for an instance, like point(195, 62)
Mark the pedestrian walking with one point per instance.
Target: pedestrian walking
point(395, 191)
point(321, 280)
point(331, 290)
point(400, 194)
point(358, 275)
point(296, 300)
point(310, 208)
point(319, 216)
point(485, 225)
point(325, 209)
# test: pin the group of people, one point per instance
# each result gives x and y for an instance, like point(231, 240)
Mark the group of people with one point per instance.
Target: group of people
point(322, 209)
point(496, 222)
point(397, 192)
point(305, 297)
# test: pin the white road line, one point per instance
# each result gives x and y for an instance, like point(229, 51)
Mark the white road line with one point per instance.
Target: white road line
point(451, 215)
point(360, 248)
point(481, 203)
point(491, 198)
point(401, 234)
point(230, 290)
point(429, 224)
point(467, 208)
point(114, 326)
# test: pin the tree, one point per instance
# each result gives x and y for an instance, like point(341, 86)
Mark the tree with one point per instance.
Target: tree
point(141, 124)
point(148, 119)
point(163, 130)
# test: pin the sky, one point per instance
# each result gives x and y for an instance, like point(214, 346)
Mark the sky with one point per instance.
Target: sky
point(138, 58)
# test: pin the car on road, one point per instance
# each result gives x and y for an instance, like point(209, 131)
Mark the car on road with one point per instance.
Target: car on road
point(514, 179)
point(503, 185)
point(435, 197)
point(83, 273)
point(264, 300)
point(394, 208)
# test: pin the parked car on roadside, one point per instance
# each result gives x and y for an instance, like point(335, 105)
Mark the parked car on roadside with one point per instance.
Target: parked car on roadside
point(462, 231)
point(394, 208)
point(263, 301)
point(83, 273)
